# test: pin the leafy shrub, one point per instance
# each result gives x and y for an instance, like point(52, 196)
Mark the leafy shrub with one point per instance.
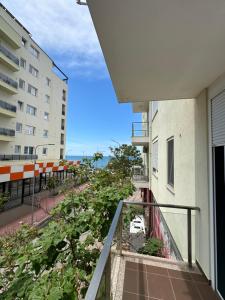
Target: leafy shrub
point(153, 247)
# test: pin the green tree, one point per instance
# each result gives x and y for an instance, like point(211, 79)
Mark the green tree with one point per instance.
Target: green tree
point(125, 157)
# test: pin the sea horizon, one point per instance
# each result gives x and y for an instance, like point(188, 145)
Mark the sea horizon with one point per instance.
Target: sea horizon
point(99, 164)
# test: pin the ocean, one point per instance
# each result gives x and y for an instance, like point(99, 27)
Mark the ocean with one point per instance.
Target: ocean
point(99, 164)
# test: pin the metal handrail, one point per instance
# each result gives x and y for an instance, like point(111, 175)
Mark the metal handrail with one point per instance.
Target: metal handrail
point(7, 106)
point(104, 258)
point(7, 132)
point(8, 80)
point(8, 54)
point(102, 262)
point(145, 132)
point(18, 157)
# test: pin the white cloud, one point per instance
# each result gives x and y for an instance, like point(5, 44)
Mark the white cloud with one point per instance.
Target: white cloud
point(62, 27)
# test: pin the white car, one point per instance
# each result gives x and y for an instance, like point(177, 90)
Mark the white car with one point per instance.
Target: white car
point(137, 225)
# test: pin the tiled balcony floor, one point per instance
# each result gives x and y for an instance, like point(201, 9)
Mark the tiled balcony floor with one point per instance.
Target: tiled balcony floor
point(146, 282)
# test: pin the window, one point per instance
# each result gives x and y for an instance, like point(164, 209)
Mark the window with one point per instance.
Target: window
point(45, 151)
point(155, 156)
point(17, 149)
point(22, 84)
point(20, 105)
point(63, 109)
point(47, 99)
point(18, 127)
point(154, 108)
point(24, 41)
point(62, 124)
point(48, 81)
point(46, 116)
point(31, 110)
point(34, 52)
point(170, 162)
point(28, 150)
point(30, 130)
point(32, 90)
point(64, 95)
point(45, 133)
point(23, 63)
point(62, 139)
point(33, 71)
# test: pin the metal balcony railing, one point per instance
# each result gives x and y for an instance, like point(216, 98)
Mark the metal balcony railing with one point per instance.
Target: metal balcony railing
point(140, 129)
point(8, 80)
point(140, 173)
point(7, 132)
point(8, 54)
point(128, 237)
point(7, 106)
point(4, 157)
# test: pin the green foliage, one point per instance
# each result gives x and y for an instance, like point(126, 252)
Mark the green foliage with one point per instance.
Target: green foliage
point(4, 197)
point(123, 160)
point(58, 261)
point(153, 247)
point(53, 183)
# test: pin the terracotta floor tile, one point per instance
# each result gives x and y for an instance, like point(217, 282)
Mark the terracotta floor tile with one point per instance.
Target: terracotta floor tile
point(198, 277)
point(129, 296)
point(185, 289)
point(159, 287)
point(135, 266)
point(156, 270)
point(206, 291)
point(135, 282)
point(179, 274)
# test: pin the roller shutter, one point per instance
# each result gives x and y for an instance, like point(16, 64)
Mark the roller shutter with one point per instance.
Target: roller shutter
point(218, 119)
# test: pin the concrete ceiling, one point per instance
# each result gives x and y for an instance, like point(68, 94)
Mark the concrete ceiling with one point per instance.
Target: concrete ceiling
point(161, 49)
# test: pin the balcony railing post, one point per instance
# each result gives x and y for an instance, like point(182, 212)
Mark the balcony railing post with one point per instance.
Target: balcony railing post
point(108, 278)
point(120, 232)
point(189, 238)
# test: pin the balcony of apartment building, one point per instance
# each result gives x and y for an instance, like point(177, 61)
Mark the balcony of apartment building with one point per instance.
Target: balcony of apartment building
point(140, 177)
point(126, 270)
point(15, 157)
point(7, 109)
point(7, 135)
point(8, 84)
point(140, 133)
point(9, 59)
point(9, 34)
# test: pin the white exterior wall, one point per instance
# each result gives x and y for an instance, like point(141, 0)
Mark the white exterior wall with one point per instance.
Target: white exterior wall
point(44, 65)
point(175, 119)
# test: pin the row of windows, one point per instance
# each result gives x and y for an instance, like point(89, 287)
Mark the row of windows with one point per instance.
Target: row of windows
point(28, 150)
point(32, 110)
point(29, 130)
point(32, 49)
point(170, 160)
point(32, 69)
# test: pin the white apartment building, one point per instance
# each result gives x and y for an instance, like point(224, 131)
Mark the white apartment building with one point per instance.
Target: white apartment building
point(33, 99)
point(173, 51)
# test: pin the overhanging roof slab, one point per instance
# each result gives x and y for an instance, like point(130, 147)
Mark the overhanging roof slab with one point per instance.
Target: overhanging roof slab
point(157, 49)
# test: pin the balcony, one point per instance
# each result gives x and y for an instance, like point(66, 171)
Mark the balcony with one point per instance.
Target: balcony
point(7, 157)
point(8, 84)
point(9, 34)
point(140, 177)
point(124, 272)
point(140, 133)
point(7, 109)
point(8, 59)
point(7, 135)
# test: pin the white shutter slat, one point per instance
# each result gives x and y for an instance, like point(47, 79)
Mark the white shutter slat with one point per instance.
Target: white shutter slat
point(218, 119)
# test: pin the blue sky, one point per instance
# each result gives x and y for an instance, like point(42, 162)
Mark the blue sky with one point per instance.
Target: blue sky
point(65, 31)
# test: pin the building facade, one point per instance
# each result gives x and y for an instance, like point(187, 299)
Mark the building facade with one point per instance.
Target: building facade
point(33, 99)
